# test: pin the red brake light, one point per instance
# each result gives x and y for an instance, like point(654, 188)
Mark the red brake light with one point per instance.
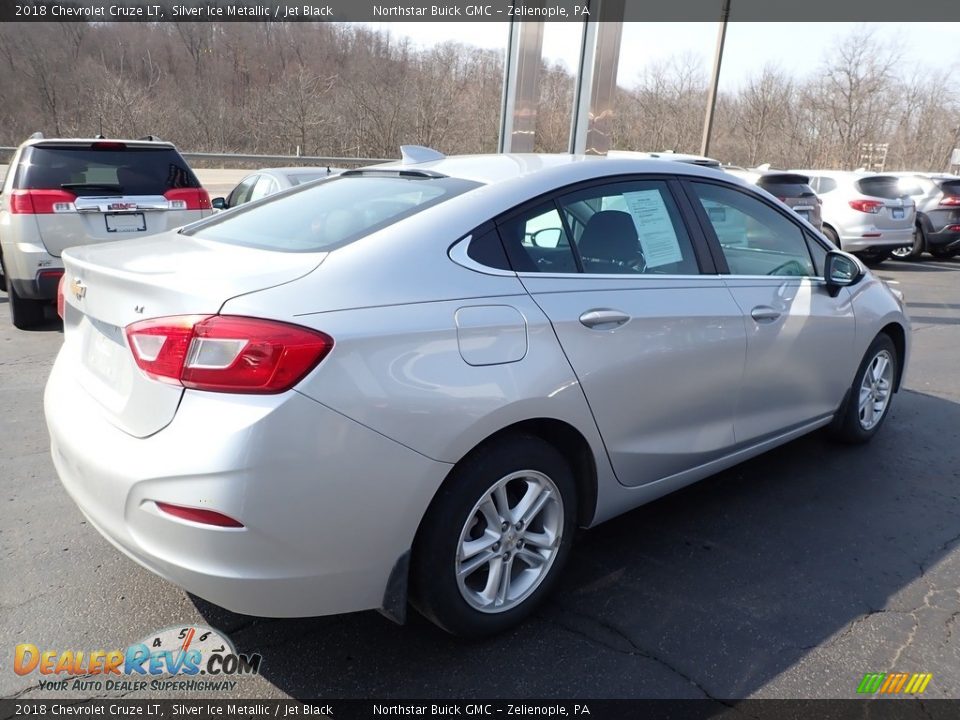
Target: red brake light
point(867, 206)
point(188, 199)
point(197, 515)
point(109, 146)
point(222, 353)
point(41, 202)
point(950, 200)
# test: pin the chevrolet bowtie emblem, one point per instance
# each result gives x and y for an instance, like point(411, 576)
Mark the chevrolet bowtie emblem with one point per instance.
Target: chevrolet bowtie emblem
point(78, 289)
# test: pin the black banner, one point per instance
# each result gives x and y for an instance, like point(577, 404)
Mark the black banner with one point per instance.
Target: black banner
point(459, 10)
point(872, 709)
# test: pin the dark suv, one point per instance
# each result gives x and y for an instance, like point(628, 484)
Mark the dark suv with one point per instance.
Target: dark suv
point(59, 193)
point(938, 215)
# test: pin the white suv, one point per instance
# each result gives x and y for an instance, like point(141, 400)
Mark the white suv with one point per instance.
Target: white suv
point(864, 213)
point(59, 193)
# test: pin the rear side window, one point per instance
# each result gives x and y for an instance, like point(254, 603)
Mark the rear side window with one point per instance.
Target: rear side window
point(331, 214)
point(881, 187)
point(826, 185)
point(85, 170)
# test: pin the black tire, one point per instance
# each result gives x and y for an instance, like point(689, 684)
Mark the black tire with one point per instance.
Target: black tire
point(25, 314)
point(3, 276)
point(435, 590)
point(873, 259)
point(912, 252)
point(847, 425)
point(943, 254)
point(832, 236)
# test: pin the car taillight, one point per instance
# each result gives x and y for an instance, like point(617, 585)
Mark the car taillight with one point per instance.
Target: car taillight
point(950, 201)
point(867, 206)
point(223, 353)
point(953, 228)
point(188, 199)
point(41, 202)
point(61, 301)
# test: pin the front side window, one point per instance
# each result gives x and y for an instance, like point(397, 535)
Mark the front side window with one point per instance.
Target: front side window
point(755, 238)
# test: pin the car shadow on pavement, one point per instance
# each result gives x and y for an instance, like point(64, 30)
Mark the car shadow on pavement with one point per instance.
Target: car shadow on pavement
point(718, 590)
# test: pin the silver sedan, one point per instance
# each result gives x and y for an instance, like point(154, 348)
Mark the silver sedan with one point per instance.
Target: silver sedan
point(415, 381)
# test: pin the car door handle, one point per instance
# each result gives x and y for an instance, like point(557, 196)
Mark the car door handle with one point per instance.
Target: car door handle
point(601, 318)
point(764, 313)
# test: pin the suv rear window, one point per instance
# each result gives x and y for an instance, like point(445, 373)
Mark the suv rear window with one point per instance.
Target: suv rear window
point(881, 187)
point(331, 214)
point(85, 170)
point(950, 187)
point(786, 186)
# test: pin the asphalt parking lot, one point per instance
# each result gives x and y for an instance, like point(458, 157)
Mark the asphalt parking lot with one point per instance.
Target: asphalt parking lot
point(789, 576)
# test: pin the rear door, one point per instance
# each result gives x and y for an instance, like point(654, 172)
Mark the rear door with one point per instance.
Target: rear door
point(799, 338)
point(657, 345)
point(90, 193)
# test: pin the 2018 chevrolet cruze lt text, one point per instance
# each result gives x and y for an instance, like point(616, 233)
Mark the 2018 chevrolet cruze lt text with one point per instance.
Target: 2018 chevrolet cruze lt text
point(416, 380)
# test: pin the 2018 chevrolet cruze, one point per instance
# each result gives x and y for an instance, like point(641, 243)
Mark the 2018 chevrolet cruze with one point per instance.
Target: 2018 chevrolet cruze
point(416, 380)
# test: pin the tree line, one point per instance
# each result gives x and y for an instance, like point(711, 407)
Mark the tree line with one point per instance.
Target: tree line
point(337, 89)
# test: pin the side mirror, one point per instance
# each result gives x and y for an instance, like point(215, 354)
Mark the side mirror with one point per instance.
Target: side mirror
point(219, 203)
point(840, 271)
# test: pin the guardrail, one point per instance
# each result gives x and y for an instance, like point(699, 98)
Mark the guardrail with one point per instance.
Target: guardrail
point(6, 153)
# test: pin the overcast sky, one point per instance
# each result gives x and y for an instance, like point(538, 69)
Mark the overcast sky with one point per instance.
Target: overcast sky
point(798, 47)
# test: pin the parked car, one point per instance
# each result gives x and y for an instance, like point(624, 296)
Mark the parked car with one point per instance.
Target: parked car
point(62, 192)
point(792, 189)
point(863, 213)
point(938, 214)
point(269, 181)
point(383, 386)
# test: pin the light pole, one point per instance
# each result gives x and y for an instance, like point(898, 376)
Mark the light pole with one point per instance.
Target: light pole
point(715, 80)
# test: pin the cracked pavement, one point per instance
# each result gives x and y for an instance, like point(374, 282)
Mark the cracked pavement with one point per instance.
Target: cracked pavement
point(789, 576)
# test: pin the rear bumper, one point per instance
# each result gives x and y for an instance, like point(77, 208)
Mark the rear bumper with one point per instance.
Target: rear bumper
point(854, 241)
point(328, 506)
point(943, 240)
point(28, 266)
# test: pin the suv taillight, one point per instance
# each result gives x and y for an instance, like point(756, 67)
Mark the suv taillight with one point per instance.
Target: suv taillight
point(224, 353)
point(950, 201)
point(867, 206)
point(188, 199)
point(41, 202)
point(61, 301)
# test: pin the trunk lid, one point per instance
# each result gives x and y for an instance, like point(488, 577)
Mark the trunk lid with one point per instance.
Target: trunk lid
point(110, 286)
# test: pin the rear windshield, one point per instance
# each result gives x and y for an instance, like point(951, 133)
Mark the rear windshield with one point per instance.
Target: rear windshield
point(84, 170)
point(331, 214)
point(881, 187)
point(950, 187)
point(786, 186)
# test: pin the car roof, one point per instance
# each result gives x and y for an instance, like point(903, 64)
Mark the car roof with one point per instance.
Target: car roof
point(495, 168)
point(297, 169)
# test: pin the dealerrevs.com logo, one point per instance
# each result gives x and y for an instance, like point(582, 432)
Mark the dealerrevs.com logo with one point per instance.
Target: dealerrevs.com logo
point(188, 658)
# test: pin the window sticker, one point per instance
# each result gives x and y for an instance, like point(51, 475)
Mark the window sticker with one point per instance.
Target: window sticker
point(658, 239)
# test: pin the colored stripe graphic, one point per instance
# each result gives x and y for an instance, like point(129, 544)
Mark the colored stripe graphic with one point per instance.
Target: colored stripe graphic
point(894, 683)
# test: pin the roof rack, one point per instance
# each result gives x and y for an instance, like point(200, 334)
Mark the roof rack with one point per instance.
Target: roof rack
point(151, 138)
point(37, 136)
